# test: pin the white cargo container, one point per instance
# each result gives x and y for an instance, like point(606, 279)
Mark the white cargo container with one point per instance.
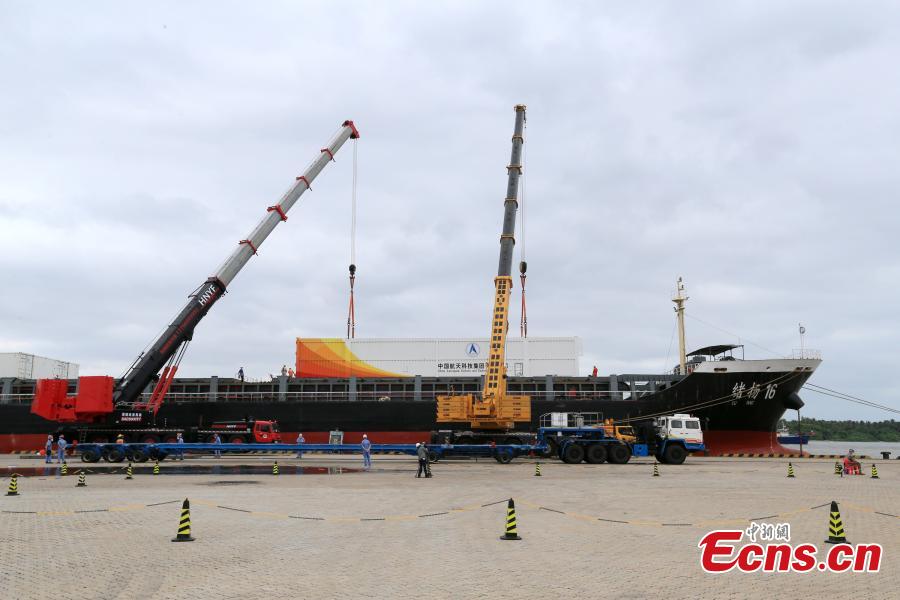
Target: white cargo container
point(433, 357)
point(28, 366)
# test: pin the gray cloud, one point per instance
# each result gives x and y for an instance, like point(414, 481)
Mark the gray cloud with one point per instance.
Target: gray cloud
point(750, 147)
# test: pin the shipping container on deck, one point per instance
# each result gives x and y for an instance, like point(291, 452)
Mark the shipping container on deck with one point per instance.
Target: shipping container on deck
point(433, 357)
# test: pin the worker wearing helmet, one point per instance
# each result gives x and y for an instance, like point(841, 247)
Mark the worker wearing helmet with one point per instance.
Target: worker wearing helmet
point(300, 440)
point(120, 439)
point(61, 448)
point(366, 446)
point(422, 453)
point(48, 450)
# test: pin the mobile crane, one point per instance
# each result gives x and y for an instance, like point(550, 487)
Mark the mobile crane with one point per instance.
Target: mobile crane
point(496, 411)
point(103, 405)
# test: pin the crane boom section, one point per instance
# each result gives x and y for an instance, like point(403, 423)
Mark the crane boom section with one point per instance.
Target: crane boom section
point(141, 373)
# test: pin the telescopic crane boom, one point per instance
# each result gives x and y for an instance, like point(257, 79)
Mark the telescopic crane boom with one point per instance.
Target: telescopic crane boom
point(98, 395)
point(496, 409)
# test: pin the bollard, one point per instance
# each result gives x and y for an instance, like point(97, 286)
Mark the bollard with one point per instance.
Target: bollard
point(13, 485)
point(835, 526)
point(275, 468)
point(81, 480)
point(655, 469)
point(184, 524)
point(129, 471)
point(427, 468)
point(838, 470)
point(537, 469)
point(790, 470)
point(874, 472)
point(511, 533)
point(156, 468)
point(65, 468)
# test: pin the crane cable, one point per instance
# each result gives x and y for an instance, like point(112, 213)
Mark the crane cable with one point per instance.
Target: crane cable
point(351, 311)
point(523, 266)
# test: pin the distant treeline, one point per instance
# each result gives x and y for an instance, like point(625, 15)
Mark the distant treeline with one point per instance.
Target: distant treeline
point(850, 431)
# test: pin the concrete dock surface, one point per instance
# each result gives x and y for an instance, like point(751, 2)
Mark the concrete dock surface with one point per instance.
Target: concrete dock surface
point(333, 530)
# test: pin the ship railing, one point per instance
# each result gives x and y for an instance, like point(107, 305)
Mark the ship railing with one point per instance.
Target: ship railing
point(806, 354)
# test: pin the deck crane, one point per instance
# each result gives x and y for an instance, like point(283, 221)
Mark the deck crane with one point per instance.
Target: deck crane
point(101, 399)
point(496, 410)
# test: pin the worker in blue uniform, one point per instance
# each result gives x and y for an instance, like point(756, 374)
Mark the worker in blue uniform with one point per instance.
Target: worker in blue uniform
point(179, 454)
point(300, 440)
point(61, 448)
point(366, 446)
point(217, 440)
point(48, 450)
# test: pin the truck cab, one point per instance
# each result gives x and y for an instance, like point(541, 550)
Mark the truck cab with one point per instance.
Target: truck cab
point(677, 435)
point(242, 432)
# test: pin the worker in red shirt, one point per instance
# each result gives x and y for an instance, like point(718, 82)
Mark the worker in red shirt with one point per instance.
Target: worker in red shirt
point(594, 372)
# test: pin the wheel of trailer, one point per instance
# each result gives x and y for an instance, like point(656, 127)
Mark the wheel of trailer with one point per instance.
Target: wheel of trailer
point(433, 456)
point(572, 453)
point(552, 448)
point(596, 454)
point(149, 439)
point(675, 454)
point(618, 454)
point(90, 456)
point(504, 458)
point(139, 455)
point(116, 455)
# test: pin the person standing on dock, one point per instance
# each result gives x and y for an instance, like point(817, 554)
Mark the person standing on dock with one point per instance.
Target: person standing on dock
point(422, 453)
point(300, 440)
point(217, 440)
point(366, 446)
point(48, 450)
point(61, 448)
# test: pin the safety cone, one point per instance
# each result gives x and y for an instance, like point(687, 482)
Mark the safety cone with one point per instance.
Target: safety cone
point(511, 533)
point(13, 485)
point(427, 468)
point(874, 472)
point(184, 524)
point(156, 468)
point(129, 471)
point(837, 468)
point(537, 469)
point(790, 470)
point(275, 468)
point(64, 469)
point(835, 526)
point(655, 469)
point(81, 480)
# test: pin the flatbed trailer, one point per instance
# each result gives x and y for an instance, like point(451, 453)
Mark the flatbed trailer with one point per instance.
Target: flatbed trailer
point(92, 453)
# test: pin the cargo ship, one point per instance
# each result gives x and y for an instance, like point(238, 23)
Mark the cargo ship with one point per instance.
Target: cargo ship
point(351, 387)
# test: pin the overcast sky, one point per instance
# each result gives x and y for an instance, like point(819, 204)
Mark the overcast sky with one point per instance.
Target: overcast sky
point(750, 147)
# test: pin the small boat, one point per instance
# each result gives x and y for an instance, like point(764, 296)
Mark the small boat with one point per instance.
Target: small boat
point(786, 437)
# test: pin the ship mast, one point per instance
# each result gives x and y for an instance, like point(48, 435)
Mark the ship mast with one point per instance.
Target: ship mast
point(679, 301)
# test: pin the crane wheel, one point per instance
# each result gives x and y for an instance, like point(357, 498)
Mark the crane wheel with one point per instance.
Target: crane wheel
point(596, 454)
point(139, 455)
point(504, 458)
point(618, 454)
point(572, 453)
point(433, 456)
point(675, 454)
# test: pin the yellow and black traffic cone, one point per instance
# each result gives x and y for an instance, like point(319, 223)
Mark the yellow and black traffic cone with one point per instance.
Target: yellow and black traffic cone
point(156, 468)
point(64, 469)
point(835, 526)
point(184, 524)
point(790, 470)
point(511, 533)
point(655, 469)
point(275, 468)
point(874, 472)
point(537, 469)
point(837, 468)
point(81, 480)
point(13, 485)
point(129, 471)
point(427, 468)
